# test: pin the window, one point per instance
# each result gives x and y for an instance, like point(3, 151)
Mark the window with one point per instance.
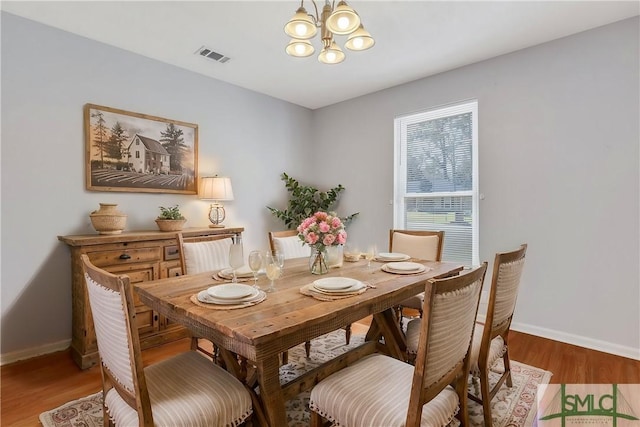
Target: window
point(436, 177)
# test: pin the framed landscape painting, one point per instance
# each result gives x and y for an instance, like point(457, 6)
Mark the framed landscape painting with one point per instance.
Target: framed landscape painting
point(135, 152)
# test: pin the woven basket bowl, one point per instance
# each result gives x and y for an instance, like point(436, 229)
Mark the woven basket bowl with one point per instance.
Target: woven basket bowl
point(170, 224)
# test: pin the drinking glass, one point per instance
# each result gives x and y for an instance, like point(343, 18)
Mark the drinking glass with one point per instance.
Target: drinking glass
point(236, 259)
point(280, 260)
point(370, 254)
point(255, 264)
point(273, 270)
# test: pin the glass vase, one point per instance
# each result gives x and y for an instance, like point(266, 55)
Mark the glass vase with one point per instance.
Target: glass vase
point(318, 262)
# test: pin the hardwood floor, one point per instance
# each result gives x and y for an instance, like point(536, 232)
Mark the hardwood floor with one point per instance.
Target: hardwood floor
point(33, 386)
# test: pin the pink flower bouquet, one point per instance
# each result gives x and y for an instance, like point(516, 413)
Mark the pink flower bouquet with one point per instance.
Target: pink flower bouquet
point(322, 229)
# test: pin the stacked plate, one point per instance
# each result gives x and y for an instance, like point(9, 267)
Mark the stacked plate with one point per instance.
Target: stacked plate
point(231, 294)
point(242, 273)
point(404, 267)
point(392, 256)
point(337, 285)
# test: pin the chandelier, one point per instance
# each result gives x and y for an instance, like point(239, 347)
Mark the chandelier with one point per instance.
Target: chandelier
point(341, 20)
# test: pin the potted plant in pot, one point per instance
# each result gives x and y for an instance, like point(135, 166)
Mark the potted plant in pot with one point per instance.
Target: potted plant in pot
point(170, 219)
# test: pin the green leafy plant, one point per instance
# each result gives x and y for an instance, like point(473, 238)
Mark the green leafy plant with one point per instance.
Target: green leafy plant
point(171, 212)
point(305, 200)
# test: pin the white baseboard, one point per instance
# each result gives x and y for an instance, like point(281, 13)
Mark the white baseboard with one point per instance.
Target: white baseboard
point(5, 359)
point(581, 341)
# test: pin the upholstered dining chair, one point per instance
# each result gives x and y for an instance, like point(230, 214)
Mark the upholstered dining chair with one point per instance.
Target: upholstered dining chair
point(490, 339)
point(421, 244)
point(204, 253)
point(379, 390)
point(289, 244)
point(489, 343)
point(186, 389)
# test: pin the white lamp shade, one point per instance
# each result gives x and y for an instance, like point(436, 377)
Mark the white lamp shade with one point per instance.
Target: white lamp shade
point(360, 39)
point(215, 188)
point(331, 54)
point(343, 20)
point(301, 26)
point(300, 48)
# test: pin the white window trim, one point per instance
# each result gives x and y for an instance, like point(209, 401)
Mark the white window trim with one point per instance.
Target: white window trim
point(400, 153)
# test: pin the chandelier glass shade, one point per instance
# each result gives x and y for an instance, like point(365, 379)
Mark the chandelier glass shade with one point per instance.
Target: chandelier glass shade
point(339, 20)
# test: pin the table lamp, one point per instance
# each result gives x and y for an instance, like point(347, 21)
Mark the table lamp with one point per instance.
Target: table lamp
point(217, 189)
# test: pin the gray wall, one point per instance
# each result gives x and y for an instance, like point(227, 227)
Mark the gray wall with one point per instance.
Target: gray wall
point(559, 169)
point(47, 77)
point(559, 166)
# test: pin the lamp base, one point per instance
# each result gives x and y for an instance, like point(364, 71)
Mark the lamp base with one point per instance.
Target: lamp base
point(216, 226)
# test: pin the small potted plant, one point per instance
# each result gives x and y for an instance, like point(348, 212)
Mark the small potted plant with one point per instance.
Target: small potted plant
point(170, 219)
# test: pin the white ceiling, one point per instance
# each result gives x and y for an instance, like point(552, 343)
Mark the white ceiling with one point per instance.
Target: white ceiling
point(414, 39)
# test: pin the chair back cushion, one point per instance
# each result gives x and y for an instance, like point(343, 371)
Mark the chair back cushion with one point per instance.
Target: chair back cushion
point(421, 247)
point(109, 319)
point(507, 284)
point(291, 247)
point(206, 256)
point(452, 319)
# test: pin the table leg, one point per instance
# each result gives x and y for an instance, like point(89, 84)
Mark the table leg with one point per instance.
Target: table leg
point(271, 392)
point(386, 324)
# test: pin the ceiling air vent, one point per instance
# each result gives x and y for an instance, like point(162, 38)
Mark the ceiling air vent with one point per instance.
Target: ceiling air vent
point(208, 53)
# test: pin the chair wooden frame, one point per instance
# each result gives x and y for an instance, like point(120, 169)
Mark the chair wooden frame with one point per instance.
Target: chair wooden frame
point(491, 331)
point(456, 376)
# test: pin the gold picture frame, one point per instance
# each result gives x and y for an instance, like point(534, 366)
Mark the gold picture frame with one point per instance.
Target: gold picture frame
point(135, 152)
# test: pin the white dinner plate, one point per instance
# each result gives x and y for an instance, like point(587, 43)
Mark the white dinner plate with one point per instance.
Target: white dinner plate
point(203, 296)
point(392, 256)
point(404, 266)
point(353, 288)
point(232, 291)
point(334, 283)
point(243, 272)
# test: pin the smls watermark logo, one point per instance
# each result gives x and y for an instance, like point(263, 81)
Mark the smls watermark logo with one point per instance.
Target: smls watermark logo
point(616, 405)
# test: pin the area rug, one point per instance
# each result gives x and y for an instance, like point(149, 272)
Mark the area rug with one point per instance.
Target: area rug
point(511, 407)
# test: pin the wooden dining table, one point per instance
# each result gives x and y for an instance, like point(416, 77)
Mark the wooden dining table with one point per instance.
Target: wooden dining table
point(260, 333)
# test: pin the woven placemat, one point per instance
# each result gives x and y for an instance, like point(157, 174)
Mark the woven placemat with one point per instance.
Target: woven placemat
point(194, 299)
point(308, 290)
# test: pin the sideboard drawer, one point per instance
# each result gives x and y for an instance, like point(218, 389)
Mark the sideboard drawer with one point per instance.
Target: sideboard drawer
point(124, 256)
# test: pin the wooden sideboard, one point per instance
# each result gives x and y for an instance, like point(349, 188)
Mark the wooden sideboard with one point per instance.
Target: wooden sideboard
point(143, 256)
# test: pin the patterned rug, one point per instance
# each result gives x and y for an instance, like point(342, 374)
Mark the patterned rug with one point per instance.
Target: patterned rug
point(512, 407)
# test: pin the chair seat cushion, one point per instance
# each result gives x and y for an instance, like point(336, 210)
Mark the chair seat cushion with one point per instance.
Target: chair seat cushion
point(496, 350)
point(416, 302)
point(187, 390)
point(375, 391)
